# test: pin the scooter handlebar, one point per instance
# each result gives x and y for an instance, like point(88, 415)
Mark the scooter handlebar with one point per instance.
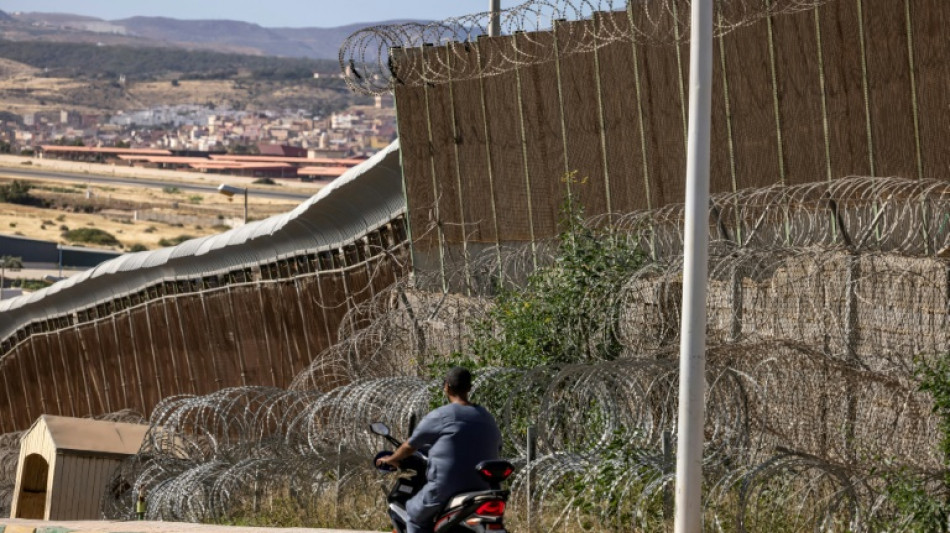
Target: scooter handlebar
point(383, 467)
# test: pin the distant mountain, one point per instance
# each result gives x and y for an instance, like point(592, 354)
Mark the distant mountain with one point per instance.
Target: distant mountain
point(5, 18)
point(217, 35)
point(251, 37)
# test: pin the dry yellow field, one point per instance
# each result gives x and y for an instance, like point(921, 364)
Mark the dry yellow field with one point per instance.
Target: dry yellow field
point(187, 92)
point(23, 93)
point(50, 223)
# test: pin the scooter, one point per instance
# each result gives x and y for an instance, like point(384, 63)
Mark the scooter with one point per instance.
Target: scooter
point(479, 512)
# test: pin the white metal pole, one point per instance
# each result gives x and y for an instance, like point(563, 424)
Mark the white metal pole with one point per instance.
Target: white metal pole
point(494, 25)
point(689, 457)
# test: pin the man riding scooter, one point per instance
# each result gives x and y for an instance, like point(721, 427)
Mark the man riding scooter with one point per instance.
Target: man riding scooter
point(461, 435)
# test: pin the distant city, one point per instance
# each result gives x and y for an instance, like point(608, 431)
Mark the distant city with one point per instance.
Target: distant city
point(196, 129)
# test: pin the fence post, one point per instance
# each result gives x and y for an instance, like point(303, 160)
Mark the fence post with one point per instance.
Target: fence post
point(339, 482)
point(532, 442)
point(667, 464)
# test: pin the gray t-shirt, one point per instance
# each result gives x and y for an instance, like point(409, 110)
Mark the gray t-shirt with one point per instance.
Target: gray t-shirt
point(461, 436)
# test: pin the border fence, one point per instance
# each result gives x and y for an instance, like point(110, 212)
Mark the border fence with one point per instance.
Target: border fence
point(253, 305)
point(803, 91)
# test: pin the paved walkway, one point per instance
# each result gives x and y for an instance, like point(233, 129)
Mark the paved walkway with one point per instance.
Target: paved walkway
point(10, 525)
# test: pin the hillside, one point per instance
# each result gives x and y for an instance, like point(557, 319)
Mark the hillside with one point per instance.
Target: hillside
point(209, 35)
point(250, 37)
point(78, 60)
point(11, 69)
point(42, 94)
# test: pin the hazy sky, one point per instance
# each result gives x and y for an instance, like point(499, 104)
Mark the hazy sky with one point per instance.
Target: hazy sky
point(270, 13)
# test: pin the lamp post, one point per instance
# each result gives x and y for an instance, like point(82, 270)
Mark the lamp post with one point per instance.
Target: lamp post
point(494, 25)
point(689, 457)
point(230, 191)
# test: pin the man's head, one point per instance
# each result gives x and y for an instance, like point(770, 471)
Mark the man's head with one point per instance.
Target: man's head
point(458, 382)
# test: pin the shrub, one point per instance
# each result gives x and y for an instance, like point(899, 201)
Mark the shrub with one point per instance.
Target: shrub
point(265, 181)
point(91, 236)
point(567, 312)
point(31, 284)
point(18, 192)
point(175, 241)
point(168, 189)
point(11, 262)
point(138, 247)
point(195, 199)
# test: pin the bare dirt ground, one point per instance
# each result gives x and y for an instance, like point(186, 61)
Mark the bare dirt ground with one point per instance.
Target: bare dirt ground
point(118, 204)
point(10, 69)
point(36, 526)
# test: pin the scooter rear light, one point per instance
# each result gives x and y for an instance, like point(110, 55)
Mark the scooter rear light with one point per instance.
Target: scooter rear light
point(504, 475)
point(491, 508)
point(444, 519)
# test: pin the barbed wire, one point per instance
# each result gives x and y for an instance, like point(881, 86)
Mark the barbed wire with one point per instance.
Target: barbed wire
point(896, 215)
point(204, 454)
point(812, 339)
point(817, 317)
point(376, 59)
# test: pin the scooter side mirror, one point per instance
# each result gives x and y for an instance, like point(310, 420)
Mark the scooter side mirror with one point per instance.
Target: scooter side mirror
point(379, 428)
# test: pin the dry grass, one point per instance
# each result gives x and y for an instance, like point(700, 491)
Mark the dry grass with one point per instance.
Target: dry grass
point(22, 93)
point(187, 92)
point(11, 69)
point(47, 224)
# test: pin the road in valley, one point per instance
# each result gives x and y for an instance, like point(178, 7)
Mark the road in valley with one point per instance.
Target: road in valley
point(140, 182)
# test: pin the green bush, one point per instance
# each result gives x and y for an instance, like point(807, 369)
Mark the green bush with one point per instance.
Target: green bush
point(11, 263)
point(138, 247)
point(175, 241)
point(18, 192)
point(91, 236)
point(921, 500)
point(31, 284)
point(567, 312)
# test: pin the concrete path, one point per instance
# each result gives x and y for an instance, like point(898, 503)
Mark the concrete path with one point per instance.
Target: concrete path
point(10, 525)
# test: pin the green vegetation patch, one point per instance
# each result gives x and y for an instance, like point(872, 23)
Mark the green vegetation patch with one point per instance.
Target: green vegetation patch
point(75, 60)
point(18, 192)
point(175, 241)
point(567, 312)
point(91, 236)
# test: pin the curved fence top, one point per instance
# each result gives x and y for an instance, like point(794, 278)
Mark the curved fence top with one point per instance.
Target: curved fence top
point(361, 200)
point(369, 66)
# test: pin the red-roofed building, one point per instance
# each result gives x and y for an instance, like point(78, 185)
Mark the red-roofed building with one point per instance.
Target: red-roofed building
point(281, 150)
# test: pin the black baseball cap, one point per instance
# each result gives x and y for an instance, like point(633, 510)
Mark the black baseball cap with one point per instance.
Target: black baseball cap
point(459, 379)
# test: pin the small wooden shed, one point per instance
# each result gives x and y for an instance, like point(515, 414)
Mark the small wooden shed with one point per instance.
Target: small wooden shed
point(66, 463)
